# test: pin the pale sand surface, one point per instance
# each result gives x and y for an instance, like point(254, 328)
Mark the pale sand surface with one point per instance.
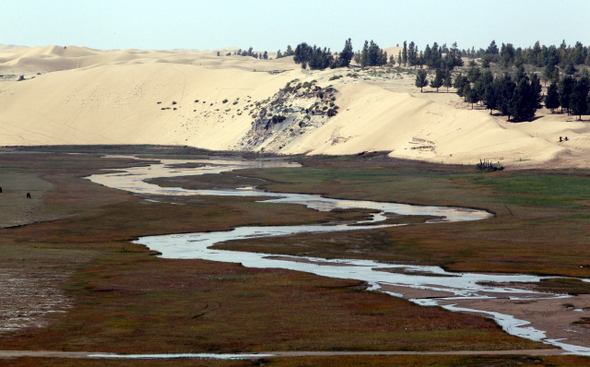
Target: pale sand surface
point(87, 96)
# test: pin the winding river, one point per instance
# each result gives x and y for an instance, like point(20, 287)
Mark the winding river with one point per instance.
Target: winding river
point(424, 285)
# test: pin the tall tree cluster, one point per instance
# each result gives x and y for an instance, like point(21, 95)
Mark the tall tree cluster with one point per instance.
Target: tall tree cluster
point(538, 55)
point(314, 57)
point(319, 59)
point(517, 97)
point(570, 94)
point(371, 55)
point(434, 57)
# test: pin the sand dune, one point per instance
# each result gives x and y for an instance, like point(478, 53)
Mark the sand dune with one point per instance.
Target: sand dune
point(86, 96)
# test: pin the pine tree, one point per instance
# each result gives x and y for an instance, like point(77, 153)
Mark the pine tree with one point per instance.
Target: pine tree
point(489, 98)
point(552, 97)
point(421, 80)
point(536, 97)
point(522, 104)
point(438, 80)
point(448, 80)
point(412, 54)
point(483, 81)
point(470, 95)
point(365, 54)
point(460, 83)
point(427, 56)
point(566, 86)
point(347, 54)
point(504, 91)
point(579, 97)
point(474, 74)
point(391, 60)
point(405, 54)
point(492, 48)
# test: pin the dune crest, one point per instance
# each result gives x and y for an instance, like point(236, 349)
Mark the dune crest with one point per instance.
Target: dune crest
point(77, 95)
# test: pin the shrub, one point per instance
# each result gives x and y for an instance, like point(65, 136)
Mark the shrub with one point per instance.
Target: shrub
point(278, 118)
point(488, 166)
point(224, 101)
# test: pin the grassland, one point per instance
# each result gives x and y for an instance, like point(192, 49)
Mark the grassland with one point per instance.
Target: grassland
point(124, 299)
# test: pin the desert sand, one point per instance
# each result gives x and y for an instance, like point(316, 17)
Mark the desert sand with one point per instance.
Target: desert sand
point(75, 95)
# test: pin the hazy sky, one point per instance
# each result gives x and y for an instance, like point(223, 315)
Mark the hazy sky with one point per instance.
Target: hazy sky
point(273, 24)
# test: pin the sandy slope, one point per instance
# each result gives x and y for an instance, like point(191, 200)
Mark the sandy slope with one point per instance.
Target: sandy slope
point(86, 96)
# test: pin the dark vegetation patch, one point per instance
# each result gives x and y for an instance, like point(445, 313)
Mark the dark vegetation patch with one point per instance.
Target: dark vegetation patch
point(341, 361)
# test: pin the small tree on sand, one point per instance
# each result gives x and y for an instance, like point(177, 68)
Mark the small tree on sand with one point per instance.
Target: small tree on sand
point(421, 80)
point(438, 80)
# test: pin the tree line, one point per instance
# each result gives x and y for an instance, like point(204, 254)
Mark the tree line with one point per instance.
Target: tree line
point(569, 94)
point(538, 55)
point(319, 59)
point(434, 57)
point(517, 97)
point(250, 52)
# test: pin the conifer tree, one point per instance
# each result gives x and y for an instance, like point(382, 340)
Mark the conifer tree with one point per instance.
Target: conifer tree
point(470, 95)
point(489, 98)
point(483, 81)
point(438, 80)
point(536, 97)
point(448, 82)
point(504, 90)
point(460, 83)
point(347, 54)
point(579, 97)
point(421, 80)
point(391, 60)
point(412, 54)
point(405, 54)
point(522, 104)
point(365, 54)
point(552, 97)
point(566, 86)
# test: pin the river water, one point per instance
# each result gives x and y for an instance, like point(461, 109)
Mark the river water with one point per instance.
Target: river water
point(424, 285)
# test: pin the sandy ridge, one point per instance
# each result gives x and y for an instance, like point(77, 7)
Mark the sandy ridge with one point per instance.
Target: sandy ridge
point(87, 96)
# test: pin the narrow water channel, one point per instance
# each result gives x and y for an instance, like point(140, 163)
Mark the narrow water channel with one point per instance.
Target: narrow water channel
point(424, 285)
